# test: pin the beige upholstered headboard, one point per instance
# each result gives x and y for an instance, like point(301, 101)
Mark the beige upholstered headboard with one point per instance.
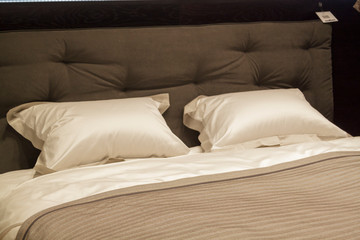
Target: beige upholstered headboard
point(185, 61)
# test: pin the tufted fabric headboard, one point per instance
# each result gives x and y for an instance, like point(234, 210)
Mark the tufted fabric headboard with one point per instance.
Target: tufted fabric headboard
point(185, 61)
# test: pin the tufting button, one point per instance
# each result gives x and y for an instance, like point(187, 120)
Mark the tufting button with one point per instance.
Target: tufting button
point(246, 49)
point(257, 82)
point(306, 46)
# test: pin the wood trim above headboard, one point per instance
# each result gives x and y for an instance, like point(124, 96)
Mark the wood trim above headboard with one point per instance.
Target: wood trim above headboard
point(54, 15)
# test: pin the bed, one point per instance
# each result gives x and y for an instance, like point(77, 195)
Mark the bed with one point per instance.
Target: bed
point(219, 131)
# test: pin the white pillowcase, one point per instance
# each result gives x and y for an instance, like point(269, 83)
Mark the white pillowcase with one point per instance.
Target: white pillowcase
point(71, 134)
point(253, 119)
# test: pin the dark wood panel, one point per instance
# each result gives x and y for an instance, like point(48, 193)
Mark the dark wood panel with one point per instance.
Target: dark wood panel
point(216, 11)
point(49, 15)
point(53, 15)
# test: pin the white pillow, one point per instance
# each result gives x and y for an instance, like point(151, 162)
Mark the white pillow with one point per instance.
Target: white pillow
point(71, 134)
point(257, 118)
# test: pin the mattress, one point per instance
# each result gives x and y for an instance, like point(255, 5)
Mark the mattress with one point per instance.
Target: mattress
point(23, 194)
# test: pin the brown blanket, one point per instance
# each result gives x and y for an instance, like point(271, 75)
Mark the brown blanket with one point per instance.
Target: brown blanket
point(312, 198)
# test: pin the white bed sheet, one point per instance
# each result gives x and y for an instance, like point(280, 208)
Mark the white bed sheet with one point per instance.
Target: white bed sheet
point(22, 195)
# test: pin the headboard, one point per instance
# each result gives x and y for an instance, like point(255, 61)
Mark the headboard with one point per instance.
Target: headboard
point(185, 61)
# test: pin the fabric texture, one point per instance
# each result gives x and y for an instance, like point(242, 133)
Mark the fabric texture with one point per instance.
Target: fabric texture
point(312, 198)
point(72, 134)
point(256, 119)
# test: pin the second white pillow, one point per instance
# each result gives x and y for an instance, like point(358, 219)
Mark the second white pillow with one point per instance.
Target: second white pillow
point(257, 118)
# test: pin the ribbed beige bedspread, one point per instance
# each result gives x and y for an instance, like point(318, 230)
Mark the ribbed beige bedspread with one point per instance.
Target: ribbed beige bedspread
point(312, 198)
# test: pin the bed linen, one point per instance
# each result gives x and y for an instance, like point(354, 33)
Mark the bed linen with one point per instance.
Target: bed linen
point(26, 195)
point(254, 204)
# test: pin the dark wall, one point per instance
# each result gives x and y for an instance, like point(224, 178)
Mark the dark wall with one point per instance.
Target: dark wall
point(346, 65)
point(346, 33)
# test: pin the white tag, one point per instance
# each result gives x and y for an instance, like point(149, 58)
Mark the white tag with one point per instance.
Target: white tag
point(326, 17)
